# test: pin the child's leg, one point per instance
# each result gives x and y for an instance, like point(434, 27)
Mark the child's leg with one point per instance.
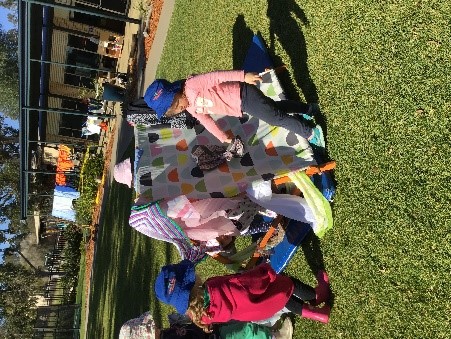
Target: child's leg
point(298, 307)
point(294, 305)
point(303, 291)
point(256, 104)
point(293, 106)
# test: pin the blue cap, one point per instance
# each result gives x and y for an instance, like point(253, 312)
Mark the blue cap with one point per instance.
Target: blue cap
point(160, 94)
point(174, 283)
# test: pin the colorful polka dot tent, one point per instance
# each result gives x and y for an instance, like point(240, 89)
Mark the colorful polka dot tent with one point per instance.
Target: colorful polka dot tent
point(166, 168)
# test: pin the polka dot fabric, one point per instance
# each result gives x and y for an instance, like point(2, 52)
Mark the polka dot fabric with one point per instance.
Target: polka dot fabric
point(166, 168)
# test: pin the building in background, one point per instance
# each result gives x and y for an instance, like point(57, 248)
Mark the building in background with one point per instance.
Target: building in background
point(67, 50)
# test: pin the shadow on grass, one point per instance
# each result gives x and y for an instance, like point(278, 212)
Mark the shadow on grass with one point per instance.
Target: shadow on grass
point(242, 38)
point(311, 246)
point(284, 27)
point(125, 264)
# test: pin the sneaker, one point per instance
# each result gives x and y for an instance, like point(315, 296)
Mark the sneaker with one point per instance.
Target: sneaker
point(285, 331)
point(313, 109)
point(317, 137)
point(307, 117)
point(322, 290)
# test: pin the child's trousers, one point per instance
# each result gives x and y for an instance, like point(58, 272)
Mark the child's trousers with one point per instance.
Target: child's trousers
point(302, 292)
point(274, 113)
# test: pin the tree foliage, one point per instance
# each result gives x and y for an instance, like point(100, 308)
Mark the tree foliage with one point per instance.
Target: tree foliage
point(9, 171)
point(9, 141)
point(9, 73)
point(18, 287)
point(71, 263)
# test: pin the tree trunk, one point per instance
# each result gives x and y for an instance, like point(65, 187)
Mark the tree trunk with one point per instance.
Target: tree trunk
point(40, 273)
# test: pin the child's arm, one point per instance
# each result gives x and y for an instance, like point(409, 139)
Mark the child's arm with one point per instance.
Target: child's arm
point(212, 127)
point(207, 80)
point(217, 77)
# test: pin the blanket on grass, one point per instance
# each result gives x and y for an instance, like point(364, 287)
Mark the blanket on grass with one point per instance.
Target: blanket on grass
point(166, 168)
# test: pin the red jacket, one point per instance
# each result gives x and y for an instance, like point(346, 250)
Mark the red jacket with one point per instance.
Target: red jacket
point(250, 296)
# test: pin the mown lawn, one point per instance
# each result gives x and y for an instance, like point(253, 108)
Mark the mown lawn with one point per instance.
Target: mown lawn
point(381, 73)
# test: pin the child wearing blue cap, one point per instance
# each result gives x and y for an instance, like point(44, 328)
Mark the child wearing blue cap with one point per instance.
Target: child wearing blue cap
point(253, 295)
point(228, 93)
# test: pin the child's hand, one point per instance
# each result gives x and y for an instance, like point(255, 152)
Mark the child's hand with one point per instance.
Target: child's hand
point(252, 78)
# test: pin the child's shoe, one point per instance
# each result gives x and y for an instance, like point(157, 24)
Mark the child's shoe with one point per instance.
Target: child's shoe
point(313, 109)
point(322, 290)
point(317, 137)
point(320, 314)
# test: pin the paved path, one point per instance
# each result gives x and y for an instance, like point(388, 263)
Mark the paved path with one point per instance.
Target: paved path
point(158, 43)
point(123, 133)
point(146, 77)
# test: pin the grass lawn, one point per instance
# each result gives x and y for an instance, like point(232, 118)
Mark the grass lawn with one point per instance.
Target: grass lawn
point(381, 73)
point(80, 298)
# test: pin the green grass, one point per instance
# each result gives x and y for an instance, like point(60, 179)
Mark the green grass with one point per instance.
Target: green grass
point(381, 73)
point(81, 278)
point(80, 298)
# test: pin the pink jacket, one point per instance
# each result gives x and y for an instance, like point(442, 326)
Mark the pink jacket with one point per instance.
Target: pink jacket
point(254, 295)
point(214, 93)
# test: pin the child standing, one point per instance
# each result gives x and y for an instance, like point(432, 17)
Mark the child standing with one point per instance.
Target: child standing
point(253, 295)
point(228, 93)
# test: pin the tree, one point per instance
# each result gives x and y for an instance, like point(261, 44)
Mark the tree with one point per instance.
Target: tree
point(9, 141)
point(12, 6)
point(9, 73)
point(18, 287)
point(9, 174)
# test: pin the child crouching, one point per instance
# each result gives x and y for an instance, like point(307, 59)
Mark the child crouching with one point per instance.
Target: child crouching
point(253, 295)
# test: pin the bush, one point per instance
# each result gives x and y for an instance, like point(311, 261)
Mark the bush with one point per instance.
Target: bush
point(89, 182)
point(71, 263)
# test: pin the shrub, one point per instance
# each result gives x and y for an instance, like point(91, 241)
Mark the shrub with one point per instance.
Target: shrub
point(71, 263)
point(89, 182)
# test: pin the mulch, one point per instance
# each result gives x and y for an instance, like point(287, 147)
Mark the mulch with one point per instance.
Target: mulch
point(90, 245)
point(156, 6)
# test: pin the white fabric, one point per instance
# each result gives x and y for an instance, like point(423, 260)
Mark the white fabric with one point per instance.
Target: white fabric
point(290, 206)
point(260, 190)
point(91, 129)
point(180, 207)
point(270, 322)
point(207, 222)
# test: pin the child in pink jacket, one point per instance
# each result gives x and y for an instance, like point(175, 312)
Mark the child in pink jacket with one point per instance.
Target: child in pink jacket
point(228, 93)
point(252, 295)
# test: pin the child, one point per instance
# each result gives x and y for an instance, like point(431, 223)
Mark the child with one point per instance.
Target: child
point(249, 296)
point(138, 113)
point(144, 327)
point(228, 93)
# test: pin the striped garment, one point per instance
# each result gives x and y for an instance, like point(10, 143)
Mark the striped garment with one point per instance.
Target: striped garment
point(151, 221)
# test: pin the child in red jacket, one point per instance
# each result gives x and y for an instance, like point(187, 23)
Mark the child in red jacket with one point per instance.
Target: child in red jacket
point(253, 295)
point(228, 93)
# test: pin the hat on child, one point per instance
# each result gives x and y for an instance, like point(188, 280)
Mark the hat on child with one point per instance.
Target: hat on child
point(174, 283)
point(160, 94)
point(122, 173)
